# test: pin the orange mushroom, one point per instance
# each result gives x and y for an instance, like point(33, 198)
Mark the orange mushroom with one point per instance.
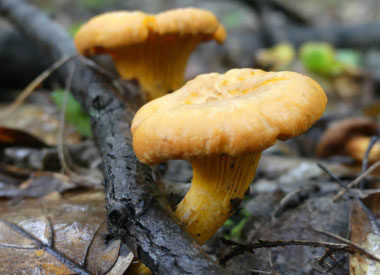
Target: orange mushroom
point(154, 49)
point(221, 123)
point(350, 137)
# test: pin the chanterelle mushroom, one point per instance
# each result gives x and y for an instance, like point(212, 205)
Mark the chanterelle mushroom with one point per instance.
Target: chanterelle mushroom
point(221, 123)
point(153, 49)
point(351, 137)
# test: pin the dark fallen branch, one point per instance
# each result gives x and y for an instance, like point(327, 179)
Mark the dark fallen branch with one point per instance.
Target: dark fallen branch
point(137, 211)
point(21, 61)
point(269, 33)
point(340, 35)
point(289, 12)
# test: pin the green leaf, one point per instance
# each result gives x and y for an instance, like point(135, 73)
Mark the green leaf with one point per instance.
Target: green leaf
point(237, 229)
point(245, 213)
point(229, 223)
point(319, 57)
point(74, 113)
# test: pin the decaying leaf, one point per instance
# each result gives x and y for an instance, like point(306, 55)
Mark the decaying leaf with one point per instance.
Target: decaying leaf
point(365, 234)
point(14, 137)
point(73, 225)
point(123, 261)
point(40, 121)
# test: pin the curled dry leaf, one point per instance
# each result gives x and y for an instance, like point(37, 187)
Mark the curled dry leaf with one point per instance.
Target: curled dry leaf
point(363, 233)
point(14, 137)
point(73, 225)
point(40, 121)
point(123, 261)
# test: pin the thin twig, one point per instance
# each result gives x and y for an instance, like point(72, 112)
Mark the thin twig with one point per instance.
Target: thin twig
point(34, 84)
point(61, 150)
point(370, 215)
point(61, 130)
point(366, 156)
point(134, 100)
point(337, 180)
point(241, 248)
point(357, 180)
point(346, 246)
point(355, 248)
point(100, 69)
point(254, 271)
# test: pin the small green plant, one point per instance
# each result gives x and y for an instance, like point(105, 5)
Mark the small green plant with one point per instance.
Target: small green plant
point(237, 227)
point(74, 113)
point(323, 58)
point(319, 57)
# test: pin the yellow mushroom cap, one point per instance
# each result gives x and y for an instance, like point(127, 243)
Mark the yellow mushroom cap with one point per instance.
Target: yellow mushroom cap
point(243, 111)
point(122, 28)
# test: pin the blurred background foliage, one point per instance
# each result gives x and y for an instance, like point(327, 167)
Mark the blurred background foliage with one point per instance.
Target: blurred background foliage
point(270, 39)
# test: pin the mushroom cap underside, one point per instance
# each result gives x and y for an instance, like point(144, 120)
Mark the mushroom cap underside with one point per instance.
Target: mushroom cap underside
point(243, 111)
point(123, 28)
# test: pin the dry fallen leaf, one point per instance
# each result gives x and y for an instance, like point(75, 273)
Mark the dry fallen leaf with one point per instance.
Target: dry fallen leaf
point(72, 224)
point(14, 137)
point(40, 121)
point(365, 234)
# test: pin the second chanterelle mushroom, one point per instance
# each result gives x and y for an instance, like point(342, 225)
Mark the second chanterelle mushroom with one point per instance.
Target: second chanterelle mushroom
point(153, 49)
point(350, 137)
point(221, 123)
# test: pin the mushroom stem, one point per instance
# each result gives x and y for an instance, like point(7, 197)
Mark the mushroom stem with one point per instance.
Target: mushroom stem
point(218, 186)
point(158, 64)
point(357, 146)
